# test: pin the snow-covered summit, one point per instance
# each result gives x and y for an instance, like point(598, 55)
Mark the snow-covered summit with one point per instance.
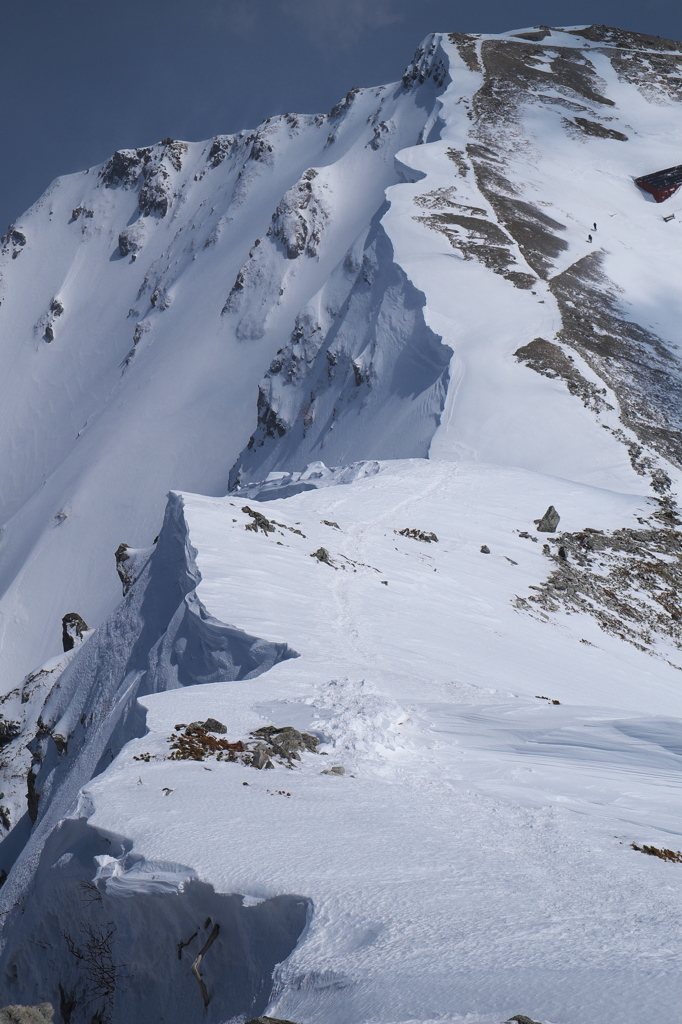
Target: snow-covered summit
point(378, 343)
point(339, 288)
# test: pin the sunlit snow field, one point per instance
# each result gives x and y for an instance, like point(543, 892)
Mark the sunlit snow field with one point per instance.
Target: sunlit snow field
point(500, 756)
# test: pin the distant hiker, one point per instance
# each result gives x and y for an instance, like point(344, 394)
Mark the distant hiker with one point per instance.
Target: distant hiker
point(589, 238)
point(594, 226)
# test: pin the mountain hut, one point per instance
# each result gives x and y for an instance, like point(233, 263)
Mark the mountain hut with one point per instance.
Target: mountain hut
point(661, 184)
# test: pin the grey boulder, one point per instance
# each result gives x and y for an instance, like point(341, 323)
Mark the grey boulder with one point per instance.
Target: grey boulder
point(74, 629)
point(548, 524)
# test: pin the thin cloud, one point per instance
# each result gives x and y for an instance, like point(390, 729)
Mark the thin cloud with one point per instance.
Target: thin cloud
point(240, 16)
point(340, 23)
point(336, 24)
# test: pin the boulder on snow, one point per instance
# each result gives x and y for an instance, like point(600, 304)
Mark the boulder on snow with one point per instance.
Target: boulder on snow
point(549, 521)
point(422, 535)
point(129, 564)
point(261, 756)
point(259, 521)
point(287, 741)
point(322, 555)
point(131, 239)
point(73, 630)
point(42, 1014)
point(520, 1019)
point(210, 725)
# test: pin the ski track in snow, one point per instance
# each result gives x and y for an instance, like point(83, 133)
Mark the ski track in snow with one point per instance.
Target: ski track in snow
point(505, 820)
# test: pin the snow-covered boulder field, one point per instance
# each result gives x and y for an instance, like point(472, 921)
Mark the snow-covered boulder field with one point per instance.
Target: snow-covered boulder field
point(387, 727)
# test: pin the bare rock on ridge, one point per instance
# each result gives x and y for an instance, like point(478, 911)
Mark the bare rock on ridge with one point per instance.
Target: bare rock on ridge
point(549, 521)
point(129, 564)
point(74, 629)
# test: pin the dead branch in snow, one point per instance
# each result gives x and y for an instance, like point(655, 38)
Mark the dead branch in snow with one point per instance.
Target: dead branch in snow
point(197, 963)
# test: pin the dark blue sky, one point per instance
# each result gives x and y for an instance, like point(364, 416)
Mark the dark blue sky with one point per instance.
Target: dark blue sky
point(81, 78)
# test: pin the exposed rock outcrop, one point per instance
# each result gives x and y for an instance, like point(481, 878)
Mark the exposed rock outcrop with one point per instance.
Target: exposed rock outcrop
point(264, 747)
point(299, 219)
point(129, 564)
point(549, 522)
point(41, 1014)
point(628, 580)
point(74, 629)
point(131, 239)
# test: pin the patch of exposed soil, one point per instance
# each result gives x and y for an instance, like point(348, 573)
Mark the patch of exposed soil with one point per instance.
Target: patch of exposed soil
point(475, 237)
point(466, 47)
point(595, 129)
point(264, 748)
point(629, 580)
point(622, 38)
point(549, 359)
point(459, 160)
point(654, 851)
point(515, 72)
point(632, 361)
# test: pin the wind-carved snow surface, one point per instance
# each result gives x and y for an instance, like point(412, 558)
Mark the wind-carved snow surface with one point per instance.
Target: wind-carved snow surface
point(475, 857)
point(161, 637)
point(139, 926)
point(392, 337)
point(362, 376)
point(168, 278)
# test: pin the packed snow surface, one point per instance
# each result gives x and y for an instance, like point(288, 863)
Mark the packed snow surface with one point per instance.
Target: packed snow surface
point(475, 856)
point(378, 344)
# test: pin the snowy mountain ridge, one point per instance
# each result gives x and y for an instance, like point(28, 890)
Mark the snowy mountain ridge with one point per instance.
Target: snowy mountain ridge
point(376, 345)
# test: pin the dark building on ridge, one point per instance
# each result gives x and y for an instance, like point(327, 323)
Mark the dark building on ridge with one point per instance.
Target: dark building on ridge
point(661, 184)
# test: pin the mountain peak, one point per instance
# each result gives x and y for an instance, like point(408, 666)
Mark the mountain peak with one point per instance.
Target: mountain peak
point(399, 331)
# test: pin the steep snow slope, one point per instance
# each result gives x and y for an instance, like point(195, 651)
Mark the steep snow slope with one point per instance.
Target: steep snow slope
point(417, 274)
point(138, 313)
point(538, 137)
point(473, 861)
point(141, 303)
